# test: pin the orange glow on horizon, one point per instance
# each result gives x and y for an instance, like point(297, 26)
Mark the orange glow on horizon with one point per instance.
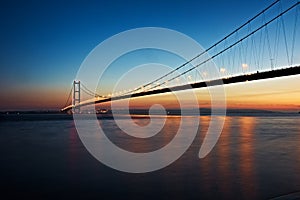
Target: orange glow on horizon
point(34, 99)
point(273, 94)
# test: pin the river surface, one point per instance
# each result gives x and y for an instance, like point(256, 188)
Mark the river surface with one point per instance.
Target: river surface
point(256, 157)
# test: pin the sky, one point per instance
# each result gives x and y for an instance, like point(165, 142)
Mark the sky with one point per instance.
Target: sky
point(43, 44)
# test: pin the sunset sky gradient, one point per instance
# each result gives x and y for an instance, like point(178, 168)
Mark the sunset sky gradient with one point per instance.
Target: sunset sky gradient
point(43, 44)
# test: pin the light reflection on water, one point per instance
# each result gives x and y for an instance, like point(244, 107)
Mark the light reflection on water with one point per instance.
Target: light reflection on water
point(233, 168)
point(246, 159)
point(255, 158)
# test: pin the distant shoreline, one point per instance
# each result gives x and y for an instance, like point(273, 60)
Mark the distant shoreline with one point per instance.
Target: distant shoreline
point(146, 111)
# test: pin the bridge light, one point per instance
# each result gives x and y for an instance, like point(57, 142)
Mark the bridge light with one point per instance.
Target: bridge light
point(223, 70)
point(244, 65)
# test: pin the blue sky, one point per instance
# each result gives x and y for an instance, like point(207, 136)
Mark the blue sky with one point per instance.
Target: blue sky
point(43, 43)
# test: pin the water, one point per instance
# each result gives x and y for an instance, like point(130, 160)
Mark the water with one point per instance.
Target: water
point(256, 157)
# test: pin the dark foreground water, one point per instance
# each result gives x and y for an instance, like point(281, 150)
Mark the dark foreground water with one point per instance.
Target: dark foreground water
point(256, 157)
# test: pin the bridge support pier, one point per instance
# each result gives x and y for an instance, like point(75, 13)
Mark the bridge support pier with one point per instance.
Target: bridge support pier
point(76, 96)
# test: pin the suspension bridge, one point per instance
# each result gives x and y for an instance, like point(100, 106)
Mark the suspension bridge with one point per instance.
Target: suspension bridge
point(264, 47)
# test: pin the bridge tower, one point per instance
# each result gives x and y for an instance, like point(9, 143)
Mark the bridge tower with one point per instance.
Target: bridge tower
point(76, 96)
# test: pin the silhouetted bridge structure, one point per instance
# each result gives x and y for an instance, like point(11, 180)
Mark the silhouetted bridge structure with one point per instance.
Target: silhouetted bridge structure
point(242, 78)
